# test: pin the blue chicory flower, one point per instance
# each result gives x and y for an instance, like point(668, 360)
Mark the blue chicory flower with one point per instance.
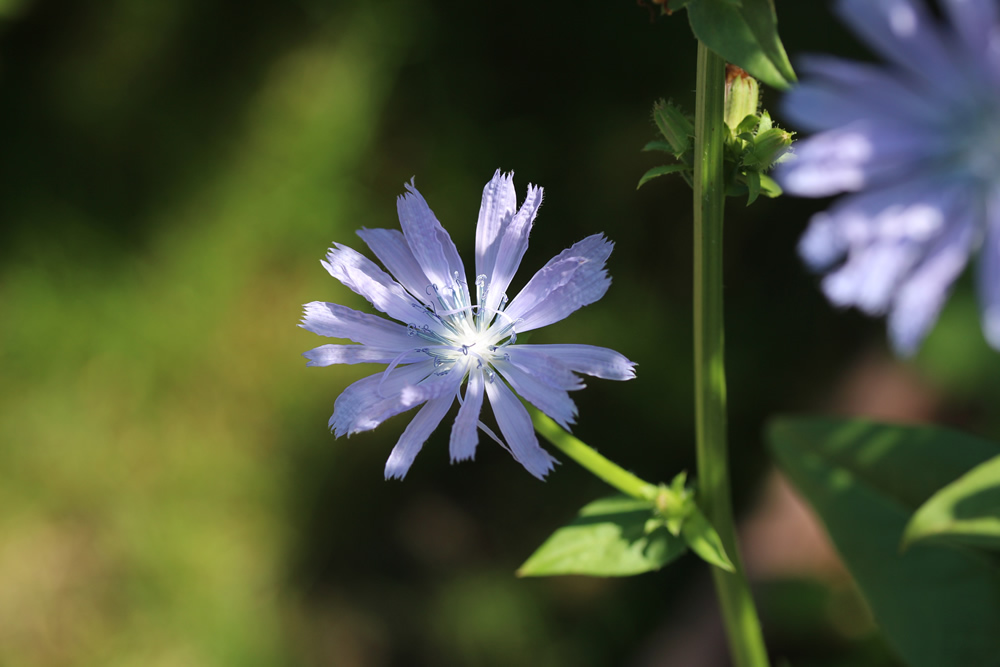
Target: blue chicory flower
point(441, 339)
point(917, 143)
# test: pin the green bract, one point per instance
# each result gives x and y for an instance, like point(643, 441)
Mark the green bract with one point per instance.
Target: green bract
point(753, 145)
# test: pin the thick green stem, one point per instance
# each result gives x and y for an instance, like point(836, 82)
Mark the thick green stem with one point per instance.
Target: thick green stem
point(587, 457)
point(739, 614)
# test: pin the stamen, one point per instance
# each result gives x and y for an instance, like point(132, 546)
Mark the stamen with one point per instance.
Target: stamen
point(487, 431)
point(391, 367)
point(481, 289)
point(426, 333)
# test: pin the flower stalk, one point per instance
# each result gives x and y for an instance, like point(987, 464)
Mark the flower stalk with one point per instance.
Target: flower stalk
point(589, 458)
point(739, 614)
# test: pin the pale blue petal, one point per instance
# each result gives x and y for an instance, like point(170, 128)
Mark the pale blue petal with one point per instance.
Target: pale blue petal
point(495, 213)
point(556, 403)
point(824, 243)
point(916, 210)
point(441, 384)
point(574, 278)
point(511, 248)
point(432, 247)
point(391, 248)
point(327, 355)
point(414, 437)
point(886, 233)
point(336, 321)
point(868, 280)
point(515, 424)
point(920, 299)
point(361, 275)
point(371, 400)
point(903, 32)
point(835, 92)
point(590, 359)
point(988, 273)
point(465, 431)
point(532, 359)
point(857, 156)
point(975, 20)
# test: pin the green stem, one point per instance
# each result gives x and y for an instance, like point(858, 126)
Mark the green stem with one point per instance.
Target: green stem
point(587, 457)
point(739, 614)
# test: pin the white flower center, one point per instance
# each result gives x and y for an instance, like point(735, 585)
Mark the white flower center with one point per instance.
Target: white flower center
point(466, 336)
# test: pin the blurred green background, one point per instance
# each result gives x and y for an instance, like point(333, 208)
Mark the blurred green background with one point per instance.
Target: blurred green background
point(171, 171)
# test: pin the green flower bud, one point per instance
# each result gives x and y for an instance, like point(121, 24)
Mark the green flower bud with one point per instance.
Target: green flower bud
point(768, 148)
point(742, 97)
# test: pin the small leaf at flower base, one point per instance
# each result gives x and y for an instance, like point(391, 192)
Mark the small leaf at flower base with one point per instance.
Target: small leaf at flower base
point(607, 539)
point(704, 541)
point(937, 604)
point(660, 171)
point(745, 34)
point(747, 125)
point(769, 187)
point(967, 511)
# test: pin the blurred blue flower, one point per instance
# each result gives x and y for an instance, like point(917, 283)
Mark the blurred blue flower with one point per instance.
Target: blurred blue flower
point(441, 338)
point(918, 142)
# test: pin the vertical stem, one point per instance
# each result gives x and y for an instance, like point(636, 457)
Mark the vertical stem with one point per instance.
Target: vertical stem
point(742, 626)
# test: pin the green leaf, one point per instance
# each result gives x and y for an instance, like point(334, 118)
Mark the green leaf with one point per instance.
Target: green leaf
point(747, 125)
point(745, 34)
point(607, 539)
point(659, 146)
point(674, 125)
point(769, 187)
point(660, 171)
point(937, 605)
point(705, 541)
point(753, 185)
point(967, 511)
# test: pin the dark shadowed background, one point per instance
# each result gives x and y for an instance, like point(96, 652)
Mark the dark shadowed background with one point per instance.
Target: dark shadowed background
point(171, 172)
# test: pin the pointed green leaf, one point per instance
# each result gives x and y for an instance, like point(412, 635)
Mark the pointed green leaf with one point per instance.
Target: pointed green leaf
point(660, 171)
point(937, 605)
point(745, 34)
point(765, 122)
point(607, 539)
point(967, 511)
point(747, 125)
point(769, 187)
point(674, 125)
point(658, 146)
point(705, 541)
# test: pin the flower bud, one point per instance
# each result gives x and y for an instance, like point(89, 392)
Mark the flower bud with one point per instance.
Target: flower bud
point(742, 96)
point(769, 147)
